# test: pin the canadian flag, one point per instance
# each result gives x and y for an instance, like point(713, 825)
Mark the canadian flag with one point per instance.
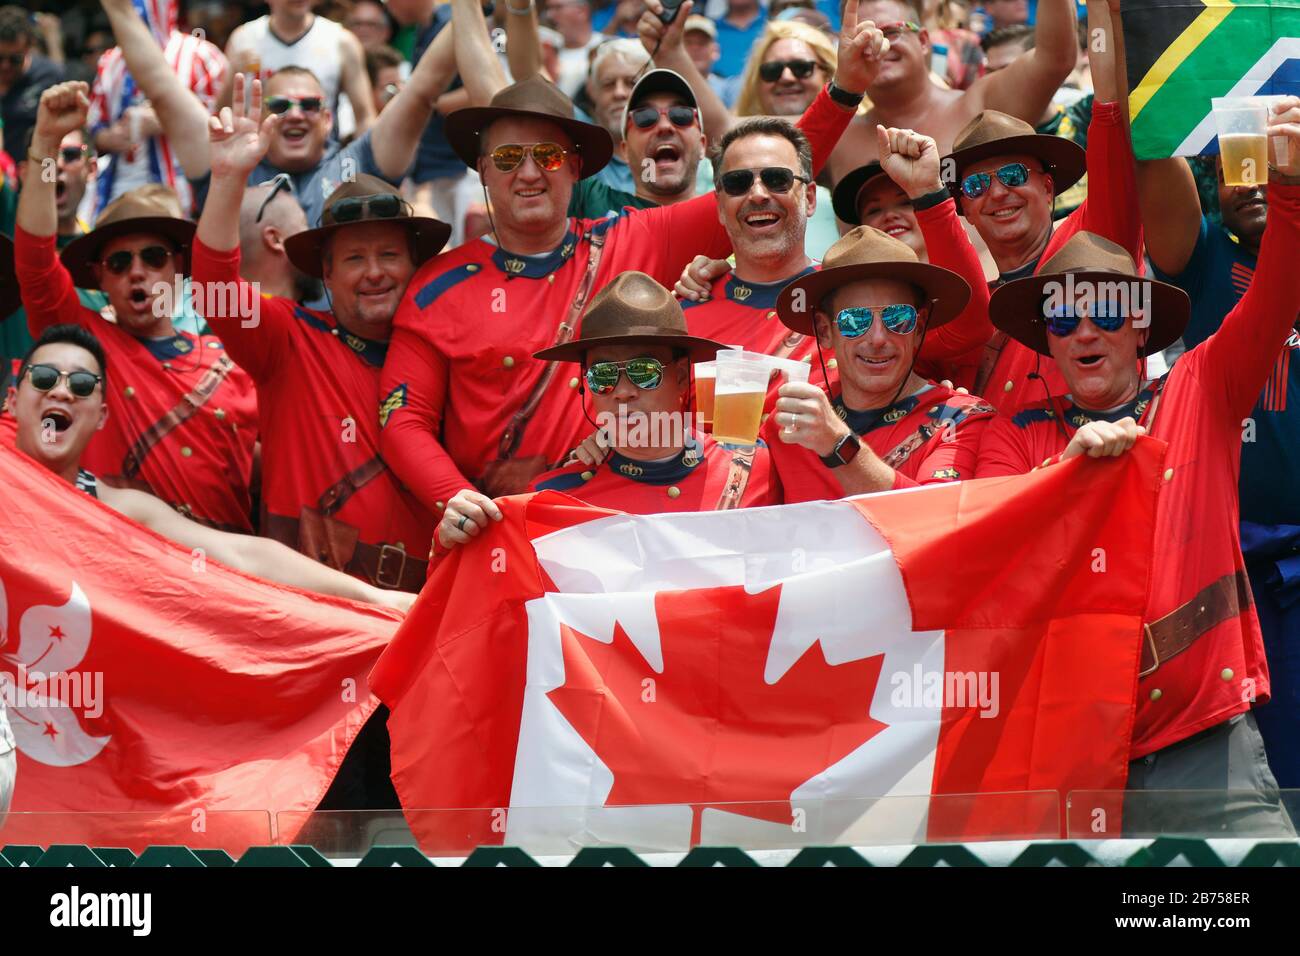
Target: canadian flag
point(940, 663)
point(157, 697)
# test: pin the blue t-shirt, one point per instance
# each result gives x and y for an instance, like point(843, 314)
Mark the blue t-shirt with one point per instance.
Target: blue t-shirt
point(735, 45)
point(434, 158)
point(1215, 278)
point(616, 174)
point(313, 187)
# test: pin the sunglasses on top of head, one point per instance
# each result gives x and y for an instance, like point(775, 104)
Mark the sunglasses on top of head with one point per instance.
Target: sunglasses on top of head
point(378, 206)
point(776, 179)
point(855, 321)
point(1011, 175)
point(45, 377)
point(547, 156)
point(644, 117)
point(771, 71)
point(1062, 320)
point(155, 257)
point(602, 377)
point(282, 104)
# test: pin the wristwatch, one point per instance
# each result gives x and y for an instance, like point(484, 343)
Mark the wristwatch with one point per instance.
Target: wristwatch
point(843, 96)
point(845, 450)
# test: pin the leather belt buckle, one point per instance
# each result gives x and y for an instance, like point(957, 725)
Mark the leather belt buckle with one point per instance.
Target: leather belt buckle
point(387, 553)
point(1155, 656)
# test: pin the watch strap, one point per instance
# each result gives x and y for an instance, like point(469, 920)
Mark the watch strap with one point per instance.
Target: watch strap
point(837, 457)
point(930, 200)
point(843, 96)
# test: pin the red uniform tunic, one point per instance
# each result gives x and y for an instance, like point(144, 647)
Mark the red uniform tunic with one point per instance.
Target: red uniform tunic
point(203, 466)
point(461, 364)
point(318, 387)
point(1111, 210)
point(929, 437)
point(693, 480)
point(1203, 402)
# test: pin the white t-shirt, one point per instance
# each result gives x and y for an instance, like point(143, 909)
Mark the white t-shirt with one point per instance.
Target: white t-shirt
point(316, 50)
point(573, 66)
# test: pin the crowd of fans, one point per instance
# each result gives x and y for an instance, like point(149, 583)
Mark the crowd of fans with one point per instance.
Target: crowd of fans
point(338, 275)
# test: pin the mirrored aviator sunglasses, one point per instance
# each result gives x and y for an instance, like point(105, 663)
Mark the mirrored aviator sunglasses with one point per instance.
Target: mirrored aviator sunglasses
point(856, 320)
point(1063, 320)
point(155, 257)
point(379, 206)
point(602, 377)
point(1011, 175)
point(548, 156)
point(45, 377)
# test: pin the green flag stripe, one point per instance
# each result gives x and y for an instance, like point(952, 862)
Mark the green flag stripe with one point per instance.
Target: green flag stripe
point(1212, 69)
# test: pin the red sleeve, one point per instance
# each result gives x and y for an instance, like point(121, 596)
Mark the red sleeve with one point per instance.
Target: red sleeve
point(824, 122)
point(1238, 359)
point(409, 436)
point(959, 455)
point(1004, 450)
point(970, 330)
point(48, 293)
point(1111, 207)
point(255, 338)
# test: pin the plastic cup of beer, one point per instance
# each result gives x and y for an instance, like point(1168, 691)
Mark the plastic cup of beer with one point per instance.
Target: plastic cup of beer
point(706, 377)
point(1242, 122)
point(739, 394)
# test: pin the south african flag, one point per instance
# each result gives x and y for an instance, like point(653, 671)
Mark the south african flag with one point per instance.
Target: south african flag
point(1183, 52)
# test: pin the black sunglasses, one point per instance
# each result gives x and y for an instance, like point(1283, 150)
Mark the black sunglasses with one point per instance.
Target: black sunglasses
point(776, 179)
point(45, 377)
point(771, 71)
point(278, 184)
point(647, 116)
point(282, 104)
point(72, 154)
point(379, 206)
point(152, 256)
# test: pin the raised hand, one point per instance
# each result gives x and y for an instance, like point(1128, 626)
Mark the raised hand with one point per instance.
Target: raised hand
point(662, 40)
point(239, 138)
point(806, 418)
point(861, 49)
point(911, 159)
point(62, 109)
point(1284, 122)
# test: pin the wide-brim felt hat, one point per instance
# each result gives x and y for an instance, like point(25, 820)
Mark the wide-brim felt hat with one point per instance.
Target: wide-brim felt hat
point(1017, 308)
point(10, 295)
point(428, 235)
point(991, 133)
point(533, 98)
point(844, 198)
point(867, 253)
point(129, 214)
point(633, 309)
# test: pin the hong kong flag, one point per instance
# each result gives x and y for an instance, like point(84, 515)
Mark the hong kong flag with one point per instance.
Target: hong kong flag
point(157, 697)
point(938, 663)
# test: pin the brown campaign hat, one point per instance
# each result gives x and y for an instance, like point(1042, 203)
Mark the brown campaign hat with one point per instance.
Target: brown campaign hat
point(633, 309)
point(10, 296)
point(991, 133)
point(304, 248)
point(844, 200)
point(138, 211)
point(1017, 308)
point(536, 98)
point(867, 253)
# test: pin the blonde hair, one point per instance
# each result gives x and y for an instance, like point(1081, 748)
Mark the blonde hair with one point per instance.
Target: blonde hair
point(748, 102)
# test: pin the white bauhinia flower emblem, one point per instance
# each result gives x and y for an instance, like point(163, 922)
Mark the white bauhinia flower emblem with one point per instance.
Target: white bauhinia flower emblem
point(52, 641)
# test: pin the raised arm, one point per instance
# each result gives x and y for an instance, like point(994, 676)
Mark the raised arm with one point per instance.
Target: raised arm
point(355, 81)
point(1026, 86)
point(664, 43)
point(183, 118)
point(396, 134)
point(476, 61)
point(239, 138)
point(260, 557)
point(523, 46)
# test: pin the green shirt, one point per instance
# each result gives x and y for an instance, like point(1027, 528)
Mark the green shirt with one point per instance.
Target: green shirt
point(596, 200)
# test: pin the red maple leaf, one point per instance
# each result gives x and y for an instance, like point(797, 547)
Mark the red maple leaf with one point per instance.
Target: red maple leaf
point(710, 730)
